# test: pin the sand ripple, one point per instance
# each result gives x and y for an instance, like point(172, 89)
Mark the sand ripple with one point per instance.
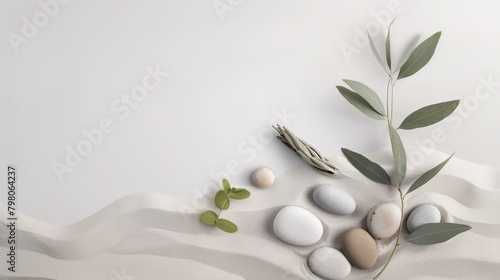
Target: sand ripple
point(156, 236)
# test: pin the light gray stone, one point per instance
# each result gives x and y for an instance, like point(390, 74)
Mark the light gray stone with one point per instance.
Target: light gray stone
point(329, 263)
point(423, 214)
point(334, 200)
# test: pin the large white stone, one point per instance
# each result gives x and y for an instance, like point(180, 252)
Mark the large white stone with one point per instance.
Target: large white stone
point(334, 200)
point(423, 214)
point(329, 263)
point(297, 226)
point(383, 220)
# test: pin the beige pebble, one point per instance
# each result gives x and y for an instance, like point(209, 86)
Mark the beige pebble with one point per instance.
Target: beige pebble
point(263, 177)
point(383, 220)
point(360, 248)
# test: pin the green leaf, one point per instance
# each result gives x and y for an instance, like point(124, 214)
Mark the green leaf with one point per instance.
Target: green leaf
point(368, 94)
point(419, 56)
point(239, 194)
point(427, 176)
point(407, 54)
point(221, 200)
point(370, 169)
point(398, 151)
point(226, 225)
point(429, 115)
point(225, 184)
point(208, 217)
point(359, 102)
point(435, 233)
point(388, 45)
point(375, 52)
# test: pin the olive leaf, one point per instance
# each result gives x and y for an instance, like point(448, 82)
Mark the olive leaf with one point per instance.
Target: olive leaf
point(399, 154)
point(370, 169)
point(226, 225)
point(239, 194)
point(368, 94)
point(359, 102)
point(208, 217)
point(420, 56)
point(368, 102)
point(435, 233)
point(407, 54)
point(427, 176)
point(226, 185)
point(375, 52)
point(429, 115)
point(221, 200)
point(388, 45)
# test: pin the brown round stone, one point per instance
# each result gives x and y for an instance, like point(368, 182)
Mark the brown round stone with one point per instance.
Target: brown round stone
point(360, 248)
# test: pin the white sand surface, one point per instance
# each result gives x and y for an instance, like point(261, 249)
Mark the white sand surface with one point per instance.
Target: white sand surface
point(155, 236)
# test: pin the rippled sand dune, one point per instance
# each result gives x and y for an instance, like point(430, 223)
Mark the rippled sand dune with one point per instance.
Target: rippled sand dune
point(155, 236)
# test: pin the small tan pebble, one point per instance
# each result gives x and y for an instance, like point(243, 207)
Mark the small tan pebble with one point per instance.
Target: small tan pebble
point(263, 177)
point(360, 248)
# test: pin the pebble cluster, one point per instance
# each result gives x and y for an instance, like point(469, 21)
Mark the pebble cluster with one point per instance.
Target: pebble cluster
point(297, 226)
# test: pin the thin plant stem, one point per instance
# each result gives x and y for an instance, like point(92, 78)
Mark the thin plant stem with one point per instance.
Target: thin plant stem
point(220, 211)
point(387, 102)
point(390, 92)
point(398, 238)
point(392, 96)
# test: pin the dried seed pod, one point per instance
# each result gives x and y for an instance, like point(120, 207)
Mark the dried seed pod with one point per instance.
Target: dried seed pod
point(307, 152)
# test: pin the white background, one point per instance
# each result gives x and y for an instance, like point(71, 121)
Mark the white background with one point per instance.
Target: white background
point(229, 72)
